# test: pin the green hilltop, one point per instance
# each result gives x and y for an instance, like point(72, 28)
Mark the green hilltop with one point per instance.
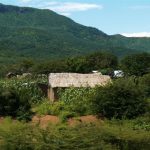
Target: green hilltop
point(43, 34)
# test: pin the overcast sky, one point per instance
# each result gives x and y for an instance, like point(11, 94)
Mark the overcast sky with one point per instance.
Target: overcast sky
point(128, 17)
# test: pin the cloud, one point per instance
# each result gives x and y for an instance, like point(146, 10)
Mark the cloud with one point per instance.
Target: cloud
point(25, 1)
point(140, 34)
point(72, 7)
point(140, 7)
point(65, 8)
point(65, 14)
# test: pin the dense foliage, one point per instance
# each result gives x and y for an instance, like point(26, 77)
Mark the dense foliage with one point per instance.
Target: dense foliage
point(26, 88)
point(12, 104)
point(122, 99)
point(72, 102)
point(17, 96)
point(82, 64)
point(78, 100)
point(113, 135)
point(95, 61)
point(144, 81)
point(43, 34)
point(36, 39)
point(137, 64)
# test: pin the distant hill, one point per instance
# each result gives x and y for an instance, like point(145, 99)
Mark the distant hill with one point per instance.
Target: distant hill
point(43, 34)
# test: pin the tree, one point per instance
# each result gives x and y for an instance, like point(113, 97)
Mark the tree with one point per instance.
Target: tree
point(144, 81)
point(77, 64)
point(136, 64)
point(50, 66)
point(101, 60)
point(26, 64)
point(121, 99)
point(91, 62)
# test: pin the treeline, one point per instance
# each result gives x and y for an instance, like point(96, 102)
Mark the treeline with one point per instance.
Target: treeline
point(81, 64)
point(135, 64)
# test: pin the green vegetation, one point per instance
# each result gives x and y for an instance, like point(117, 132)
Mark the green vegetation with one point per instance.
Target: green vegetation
point(26, 88)
point(122, 99)
point(12, 104)
point(82, 64)
point(17, 96)
point(137, 64)
point(41, 42)
point(74, 102)
point(109, 135)
point(43, 35)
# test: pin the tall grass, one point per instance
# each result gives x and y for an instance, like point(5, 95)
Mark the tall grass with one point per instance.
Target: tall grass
point(111, 135)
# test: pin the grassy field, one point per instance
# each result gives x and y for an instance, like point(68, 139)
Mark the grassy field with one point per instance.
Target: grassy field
point(107, 135)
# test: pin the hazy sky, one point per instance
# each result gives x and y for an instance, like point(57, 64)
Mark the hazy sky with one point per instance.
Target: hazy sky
point(110, 16)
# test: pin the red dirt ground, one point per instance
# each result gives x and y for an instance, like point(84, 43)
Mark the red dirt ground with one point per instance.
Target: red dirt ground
point(43, 121)
point(84, 119)
point(1, 119)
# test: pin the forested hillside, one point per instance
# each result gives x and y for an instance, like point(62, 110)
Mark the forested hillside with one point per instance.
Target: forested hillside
point(43, 34)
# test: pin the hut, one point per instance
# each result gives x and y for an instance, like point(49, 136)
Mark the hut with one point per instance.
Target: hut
point(65, 80)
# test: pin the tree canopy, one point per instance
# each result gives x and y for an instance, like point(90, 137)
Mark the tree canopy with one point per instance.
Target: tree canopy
point(136, 64)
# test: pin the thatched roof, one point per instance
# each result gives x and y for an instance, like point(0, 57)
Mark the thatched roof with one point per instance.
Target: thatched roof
point(77, 80)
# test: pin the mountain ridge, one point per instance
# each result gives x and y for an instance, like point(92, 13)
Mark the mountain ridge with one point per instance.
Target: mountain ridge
point(27, 32)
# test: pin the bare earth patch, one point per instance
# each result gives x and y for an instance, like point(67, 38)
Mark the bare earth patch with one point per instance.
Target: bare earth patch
point(1, 119)
point(49, 119)
point(43, 121)
point(84, 119)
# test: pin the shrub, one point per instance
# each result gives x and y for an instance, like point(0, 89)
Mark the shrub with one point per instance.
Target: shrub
point(43, 108)
point(24, 87)
point(47, 108)
point(121, 99)
point(106, 71)
point(12, 104)
point(65, 115)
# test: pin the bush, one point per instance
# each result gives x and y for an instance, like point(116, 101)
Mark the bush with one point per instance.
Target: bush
point(123, 98)
point(47, 108)
point(24, 87)
point(9, 102)
point(65, 115)
point(12, 104)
